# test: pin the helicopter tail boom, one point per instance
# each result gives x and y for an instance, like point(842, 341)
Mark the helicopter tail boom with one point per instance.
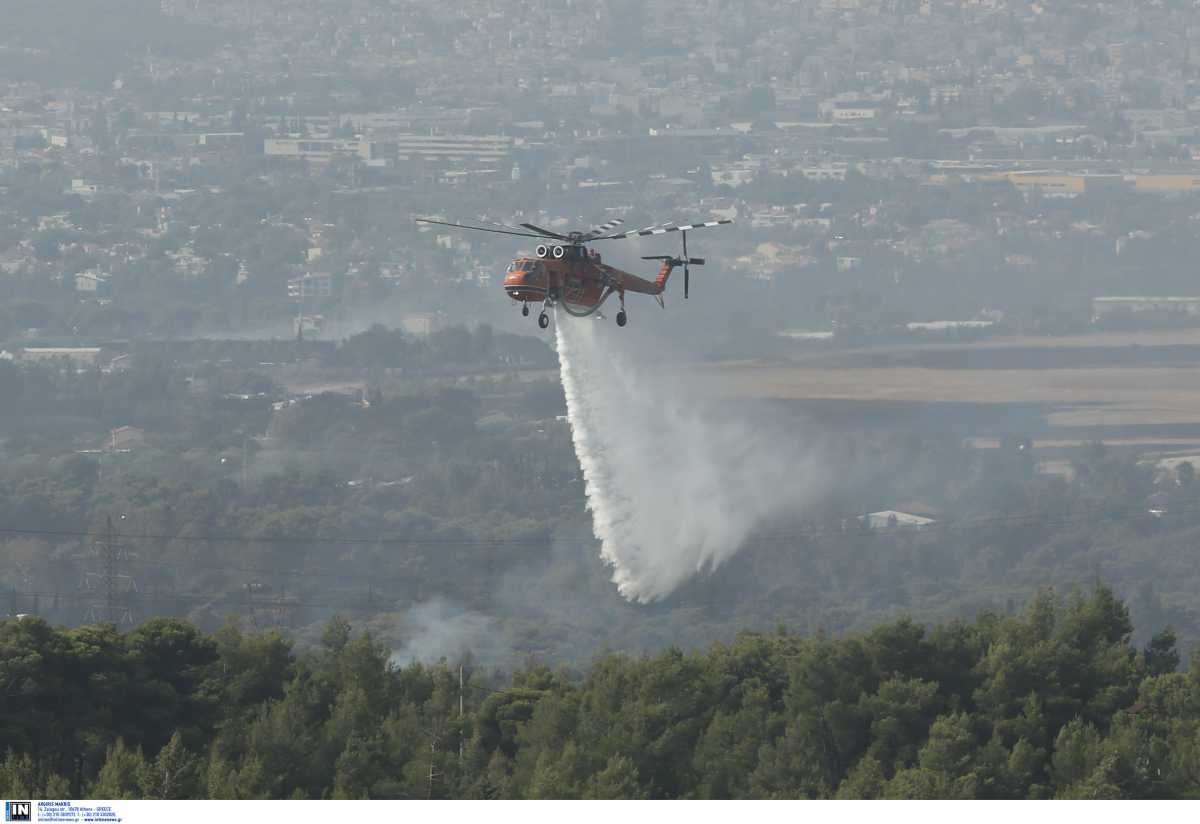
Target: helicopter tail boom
point(670, 263)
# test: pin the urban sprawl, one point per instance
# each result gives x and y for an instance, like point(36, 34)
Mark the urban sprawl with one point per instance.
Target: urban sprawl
point(198, 167)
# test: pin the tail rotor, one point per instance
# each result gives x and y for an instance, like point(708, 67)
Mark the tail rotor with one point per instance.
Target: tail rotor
point(686, 273)
point(684, 261)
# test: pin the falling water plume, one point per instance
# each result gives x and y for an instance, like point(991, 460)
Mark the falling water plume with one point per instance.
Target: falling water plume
point(673, 488)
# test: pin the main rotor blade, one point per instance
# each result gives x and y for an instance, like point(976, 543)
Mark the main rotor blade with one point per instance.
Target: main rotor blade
point(476, 228)
point(663, 229)
point(602, 228)
point(648, 228)
point(545, 232)
point(494, 224)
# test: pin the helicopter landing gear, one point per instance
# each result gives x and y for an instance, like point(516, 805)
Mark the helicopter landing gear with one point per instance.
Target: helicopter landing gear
point(621, 318)
point(525, 310)
point(543, 320)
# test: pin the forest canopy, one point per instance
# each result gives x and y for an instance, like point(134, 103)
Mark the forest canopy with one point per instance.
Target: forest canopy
point(1054, 702)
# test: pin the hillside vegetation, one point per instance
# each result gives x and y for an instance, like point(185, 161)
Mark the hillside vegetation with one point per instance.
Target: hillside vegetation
point(1054, 702)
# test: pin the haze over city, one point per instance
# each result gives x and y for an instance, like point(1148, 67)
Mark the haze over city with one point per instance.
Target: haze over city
point(301, 496)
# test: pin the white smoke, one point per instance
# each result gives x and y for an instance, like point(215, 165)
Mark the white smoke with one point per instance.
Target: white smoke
point(437, 629)
point(673, 489)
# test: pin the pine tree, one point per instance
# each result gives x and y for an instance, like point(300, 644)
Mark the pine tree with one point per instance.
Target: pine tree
point(19, 776)
point(120, 774)
point(174, 774)
point(618, 780)
point(865, 781)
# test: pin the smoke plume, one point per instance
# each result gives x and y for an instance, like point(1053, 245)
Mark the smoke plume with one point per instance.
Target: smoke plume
point(437, 629)
point(674, 488)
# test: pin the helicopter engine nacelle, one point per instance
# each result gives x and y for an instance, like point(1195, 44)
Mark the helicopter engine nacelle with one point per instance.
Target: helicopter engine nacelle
point(559, 251)
point(542, 250)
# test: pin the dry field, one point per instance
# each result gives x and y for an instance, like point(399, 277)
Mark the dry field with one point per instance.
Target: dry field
point(1160, 388)
point(1172, 337)
point(1081, 397)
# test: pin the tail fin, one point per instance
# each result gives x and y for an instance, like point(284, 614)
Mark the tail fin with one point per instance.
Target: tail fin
point(670, 263)
point(664, 272)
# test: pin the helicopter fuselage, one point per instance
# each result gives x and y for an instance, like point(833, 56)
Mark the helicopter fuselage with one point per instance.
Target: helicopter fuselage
point(570, 275)
point(578, 280)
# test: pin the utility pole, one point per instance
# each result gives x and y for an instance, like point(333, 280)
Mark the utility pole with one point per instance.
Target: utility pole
point(115, 607)
point(108, 553)
point(460, 712)
point(434, 772)
point(267, 608)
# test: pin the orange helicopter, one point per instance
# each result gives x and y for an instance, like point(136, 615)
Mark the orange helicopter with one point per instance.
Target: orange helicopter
point(566, 273)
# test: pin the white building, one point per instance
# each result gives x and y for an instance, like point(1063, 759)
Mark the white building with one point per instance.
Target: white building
point(1103, 306)
point(423, 324)
point(90, 281)
point(84, 188)
point(325, 149)
point(891, 519)
point(823, 173)
point(452, 148)
point(79, 356)
point(311, 285)
point(845, 115)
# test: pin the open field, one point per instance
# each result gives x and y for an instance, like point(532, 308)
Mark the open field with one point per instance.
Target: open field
point(1088, 397)
point(1169, 337)
point(1141, 390)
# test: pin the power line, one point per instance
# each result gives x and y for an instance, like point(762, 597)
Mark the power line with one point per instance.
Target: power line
point(183, 598)
point(120, 588)
point(117, 599)
point(1026, 519)
point(286, 540)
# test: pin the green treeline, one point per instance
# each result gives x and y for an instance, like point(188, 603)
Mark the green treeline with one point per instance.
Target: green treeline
point(1054, 702)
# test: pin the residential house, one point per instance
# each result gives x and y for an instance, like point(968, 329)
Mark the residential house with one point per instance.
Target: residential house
point(125, 438)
